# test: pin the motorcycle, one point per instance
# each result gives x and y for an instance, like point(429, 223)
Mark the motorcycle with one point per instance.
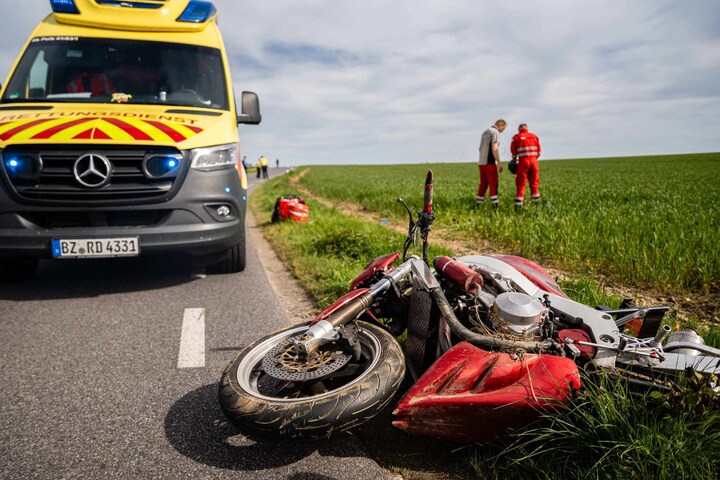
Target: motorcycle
point(490, 341)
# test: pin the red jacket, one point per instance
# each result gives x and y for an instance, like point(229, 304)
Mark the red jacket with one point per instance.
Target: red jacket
point(525, 144)
point(91, 82)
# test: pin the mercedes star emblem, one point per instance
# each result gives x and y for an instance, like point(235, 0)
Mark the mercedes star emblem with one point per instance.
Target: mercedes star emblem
point(92, 170)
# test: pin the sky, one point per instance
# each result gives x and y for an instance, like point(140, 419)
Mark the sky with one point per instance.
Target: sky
point(348, 82)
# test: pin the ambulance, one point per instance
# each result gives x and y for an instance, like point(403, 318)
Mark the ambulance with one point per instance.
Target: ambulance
point(118, 137)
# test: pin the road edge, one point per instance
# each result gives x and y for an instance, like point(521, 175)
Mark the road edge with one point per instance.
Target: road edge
point(297, 303)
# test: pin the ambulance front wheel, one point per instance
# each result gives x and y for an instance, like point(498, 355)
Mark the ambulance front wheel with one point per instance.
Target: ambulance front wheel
point(235, 259)
point(17, 269)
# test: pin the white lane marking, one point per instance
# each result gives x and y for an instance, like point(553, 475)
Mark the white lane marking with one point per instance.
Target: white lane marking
point(192, 339)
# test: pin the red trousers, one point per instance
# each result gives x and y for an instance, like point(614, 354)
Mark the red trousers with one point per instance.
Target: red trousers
point(527, 171)
point(488, 178)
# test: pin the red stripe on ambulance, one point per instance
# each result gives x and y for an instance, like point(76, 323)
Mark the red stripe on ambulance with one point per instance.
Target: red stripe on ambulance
point(174, 134)
point(14, 131)
point(100, 135)
point(134, 132)
point(45, 134)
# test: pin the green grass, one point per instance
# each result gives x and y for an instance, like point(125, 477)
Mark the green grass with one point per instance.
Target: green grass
point(647, 221)
point(608, 434)
point(331, 249)
point(605, 434)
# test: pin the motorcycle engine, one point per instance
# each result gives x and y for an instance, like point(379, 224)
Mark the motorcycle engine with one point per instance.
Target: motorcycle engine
point(518, 314)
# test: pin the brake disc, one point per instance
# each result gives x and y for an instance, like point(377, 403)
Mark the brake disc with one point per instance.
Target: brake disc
point(287, 362)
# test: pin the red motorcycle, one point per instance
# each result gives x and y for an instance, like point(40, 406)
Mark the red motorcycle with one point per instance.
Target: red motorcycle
point(491, 341)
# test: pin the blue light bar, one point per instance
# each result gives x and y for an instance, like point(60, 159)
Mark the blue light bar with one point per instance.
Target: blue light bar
point(161, 166)
point(197, 12)
point(64, 6)
point(21, 166)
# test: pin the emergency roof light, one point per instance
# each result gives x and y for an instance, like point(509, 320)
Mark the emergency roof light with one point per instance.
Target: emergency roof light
point(197, 12)
point(136, 15)
point(64, 6)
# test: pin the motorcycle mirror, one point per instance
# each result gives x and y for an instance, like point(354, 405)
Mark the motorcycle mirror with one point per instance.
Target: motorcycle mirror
point(402, 202)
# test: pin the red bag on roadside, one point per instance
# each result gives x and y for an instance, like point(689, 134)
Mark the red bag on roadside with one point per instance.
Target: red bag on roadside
point(290, 207)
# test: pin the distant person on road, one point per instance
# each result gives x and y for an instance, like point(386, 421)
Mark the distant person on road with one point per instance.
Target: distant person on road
point(489, 162)
point(264, 166)
point(258, 168)
point(244, 163)
point(277, 163)
point(525, 147)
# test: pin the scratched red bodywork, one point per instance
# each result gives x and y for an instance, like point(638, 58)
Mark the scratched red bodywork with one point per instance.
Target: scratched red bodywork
point(533, 272)
point(472, 395)
point(378, 265)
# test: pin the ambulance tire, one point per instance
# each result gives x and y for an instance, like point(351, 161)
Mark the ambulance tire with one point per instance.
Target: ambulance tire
point(235, 259)
point(17, 269)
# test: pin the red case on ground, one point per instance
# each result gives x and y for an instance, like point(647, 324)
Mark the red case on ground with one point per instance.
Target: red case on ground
point(291, 208)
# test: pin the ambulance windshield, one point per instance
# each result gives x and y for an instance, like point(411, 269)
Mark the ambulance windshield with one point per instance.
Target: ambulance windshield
point(94, 70)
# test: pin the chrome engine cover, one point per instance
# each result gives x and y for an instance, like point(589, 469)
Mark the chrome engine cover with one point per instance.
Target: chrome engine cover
point(518, 314)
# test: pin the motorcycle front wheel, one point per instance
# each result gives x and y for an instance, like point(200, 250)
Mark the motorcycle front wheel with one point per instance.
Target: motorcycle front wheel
point(262, 406)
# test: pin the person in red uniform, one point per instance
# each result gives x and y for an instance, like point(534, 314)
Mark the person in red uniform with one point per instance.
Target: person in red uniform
point(489, 163)
point(525, 148)
point(95, 83)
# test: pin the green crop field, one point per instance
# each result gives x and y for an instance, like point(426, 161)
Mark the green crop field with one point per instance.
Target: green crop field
point(606, 433)
point(650, 222)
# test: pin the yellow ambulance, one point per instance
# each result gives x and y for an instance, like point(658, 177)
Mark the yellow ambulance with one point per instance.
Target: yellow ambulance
point(118, 137)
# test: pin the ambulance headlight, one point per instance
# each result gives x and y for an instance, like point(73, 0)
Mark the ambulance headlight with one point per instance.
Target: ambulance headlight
point(64, 6)
point(215, 158)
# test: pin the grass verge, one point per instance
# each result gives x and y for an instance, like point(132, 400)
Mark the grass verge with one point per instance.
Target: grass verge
point(330, 250)
point(605, 434)
point(641, 219)
point(608, 434)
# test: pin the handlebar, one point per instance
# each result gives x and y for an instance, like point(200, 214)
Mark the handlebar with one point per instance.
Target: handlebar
point(428, 204)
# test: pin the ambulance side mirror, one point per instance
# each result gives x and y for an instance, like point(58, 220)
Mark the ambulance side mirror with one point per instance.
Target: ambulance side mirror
point(250, 109)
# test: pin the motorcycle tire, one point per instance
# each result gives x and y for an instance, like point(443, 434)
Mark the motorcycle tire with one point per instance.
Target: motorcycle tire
point(381, 370)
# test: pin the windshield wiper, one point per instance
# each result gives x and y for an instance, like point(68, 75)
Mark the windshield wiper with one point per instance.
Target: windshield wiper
point(173, 104)
point(25, 100)
point(96, 101)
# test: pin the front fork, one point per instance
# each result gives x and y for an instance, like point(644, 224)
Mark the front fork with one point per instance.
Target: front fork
point(327, 330)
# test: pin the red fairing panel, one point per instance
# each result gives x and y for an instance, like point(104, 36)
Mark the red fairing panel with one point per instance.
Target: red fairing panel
point(533, 272)
point(377, 265)
point(339, 303)
point(470, 395)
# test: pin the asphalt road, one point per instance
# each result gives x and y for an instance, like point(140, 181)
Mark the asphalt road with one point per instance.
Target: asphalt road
point(91, 386)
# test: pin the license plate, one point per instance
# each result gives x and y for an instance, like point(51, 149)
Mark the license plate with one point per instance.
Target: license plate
point(95, 247)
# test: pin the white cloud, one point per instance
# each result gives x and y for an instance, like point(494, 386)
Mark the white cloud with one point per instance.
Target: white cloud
point(417, 81)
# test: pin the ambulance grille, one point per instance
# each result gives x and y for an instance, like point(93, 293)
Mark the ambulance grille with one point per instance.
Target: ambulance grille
point(128, 183)
point(133, 4)
point(94, 219)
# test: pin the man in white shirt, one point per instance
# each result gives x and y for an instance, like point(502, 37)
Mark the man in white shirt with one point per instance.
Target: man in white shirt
point(489, 162)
